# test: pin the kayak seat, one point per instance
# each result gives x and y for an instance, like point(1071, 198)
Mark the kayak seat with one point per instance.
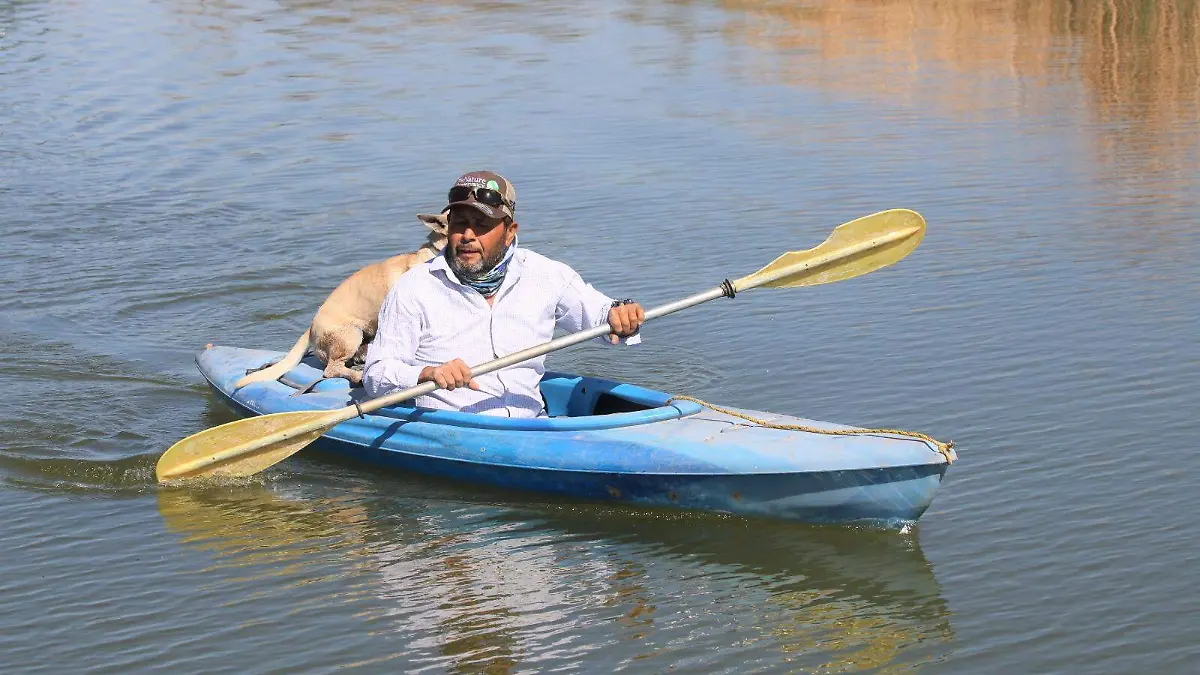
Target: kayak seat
point(580, 396)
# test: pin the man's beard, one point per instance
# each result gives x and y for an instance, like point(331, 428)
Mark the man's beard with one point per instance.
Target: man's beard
point(474, 270)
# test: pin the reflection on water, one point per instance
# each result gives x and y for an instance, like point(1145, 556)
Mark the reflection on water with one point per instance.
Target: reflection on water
point(247, 527)
point(1138, 62)
point(488, 590)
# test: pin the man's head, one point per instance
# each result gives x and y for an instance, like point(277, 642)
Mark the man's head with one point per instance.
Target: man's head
point(481, 225)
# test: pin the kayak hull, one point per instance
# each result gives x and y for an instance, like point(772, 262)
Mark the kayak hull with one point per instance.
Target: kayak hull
point(638, 449)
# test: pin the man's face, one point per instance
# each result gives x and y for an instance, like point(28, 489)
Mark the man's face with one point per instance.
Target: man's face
point(477, 243)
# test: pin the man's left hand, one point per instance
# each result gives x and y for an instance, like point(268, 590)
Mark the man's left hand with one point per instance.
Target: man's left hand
point(625, 320)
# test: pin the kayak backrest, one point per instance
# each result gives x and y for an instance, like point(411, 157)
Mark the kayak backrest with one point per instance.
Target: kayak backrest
point(579, 396)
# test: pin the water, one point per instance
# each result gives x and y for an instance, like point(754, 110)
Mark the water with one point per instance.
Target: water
point(173, 174)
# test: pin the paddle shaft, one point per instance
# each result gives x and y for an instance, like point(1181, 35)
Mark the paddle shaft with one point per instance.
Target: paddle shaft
point(533, 352)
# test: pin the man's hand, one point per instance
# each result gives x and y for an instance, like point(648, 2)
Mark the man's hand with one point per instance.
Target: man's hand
point(449, 375)
point(625, 320)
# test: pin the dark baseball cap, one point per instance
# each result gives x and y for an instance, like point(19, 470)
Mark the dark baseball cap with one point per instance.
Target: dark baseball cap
point(486, 191)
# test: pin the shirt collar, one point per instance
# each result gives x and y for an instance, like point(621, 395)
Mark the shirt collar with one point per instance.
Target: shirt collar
point(438, 262)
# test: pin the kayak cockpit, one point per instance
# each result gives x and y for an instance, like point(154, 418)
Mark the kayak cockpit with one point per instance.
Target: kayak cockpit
point(573, 403)
point(568, 395)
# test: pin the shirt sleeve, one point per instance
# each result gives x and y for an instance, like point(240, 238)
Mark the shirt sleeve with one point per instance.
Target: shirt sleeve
point(390, 362)
point(582, 307)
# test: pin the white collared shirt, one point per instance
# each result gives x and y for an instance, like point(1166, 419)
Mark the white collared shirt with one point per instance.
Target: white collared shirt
point(429, 317)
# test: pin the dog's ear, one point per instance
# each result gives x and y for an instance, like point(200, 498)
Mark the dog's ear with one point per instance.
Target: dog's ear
point(434, 221)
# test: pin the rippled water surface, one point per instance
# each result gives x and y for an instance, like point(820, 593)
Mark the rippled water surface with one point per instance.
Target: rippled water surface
point(177, 173)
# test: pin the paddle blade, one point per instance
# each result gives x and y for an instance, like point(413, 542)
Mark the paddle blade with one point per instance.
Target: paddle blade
point(244, 447)
point(854, 248)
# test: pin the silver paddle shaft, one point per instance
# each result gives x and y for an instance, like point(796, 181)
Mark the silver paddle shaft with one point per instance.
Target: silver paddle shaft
point(534, 352)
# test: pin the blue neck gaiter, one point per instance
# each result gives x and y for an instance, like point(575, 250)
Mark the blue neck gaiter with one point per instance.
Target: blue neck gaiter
point(489, 282)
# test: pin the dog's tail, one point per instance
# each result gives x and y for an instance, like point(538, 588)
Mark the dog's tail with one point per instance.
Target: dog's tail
point(277, 370)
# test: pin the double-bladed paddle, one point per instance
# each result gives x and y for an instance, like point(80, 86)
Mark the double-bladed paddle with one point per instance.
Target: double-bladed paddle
point(247, 446)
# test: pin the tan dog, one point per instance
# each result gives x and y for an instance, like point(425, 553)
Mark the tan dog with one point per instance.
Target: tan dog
point(349, 317)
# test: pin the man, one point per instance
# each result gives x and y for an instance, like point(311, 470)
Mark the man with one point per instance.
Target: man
point(483, 298)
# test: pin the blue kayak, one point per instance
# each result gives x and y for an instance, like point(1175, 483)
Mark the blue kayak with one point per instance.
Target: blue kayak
point(611, 441)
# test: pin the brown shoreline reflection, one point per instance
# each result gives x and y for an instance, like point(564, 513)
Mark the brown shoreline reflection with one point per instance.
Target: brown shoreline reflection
point(1136, 61)
point(483, 589)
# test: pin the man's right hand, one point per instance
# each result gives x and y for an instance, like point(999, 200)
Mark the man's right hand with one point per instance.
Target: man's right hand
point(449, 375)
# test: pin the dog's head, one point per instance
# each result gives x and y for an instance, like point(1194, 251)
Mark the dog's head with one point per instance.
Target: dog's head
point(439, 229)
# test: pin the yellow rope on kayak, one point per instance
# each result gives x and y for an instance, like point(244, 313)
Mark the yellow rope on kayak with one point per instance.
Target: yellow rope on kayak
point(943, 448)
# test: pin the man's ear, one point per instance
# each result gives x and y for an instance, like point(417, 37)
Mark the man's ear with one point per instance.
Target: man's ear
point(512, 232)
point(435, 221)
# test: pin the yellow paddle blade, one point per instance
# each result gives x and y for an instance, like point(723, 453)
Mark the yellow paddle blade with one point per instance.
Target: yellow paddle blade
point(244, 447)
point(854, 248)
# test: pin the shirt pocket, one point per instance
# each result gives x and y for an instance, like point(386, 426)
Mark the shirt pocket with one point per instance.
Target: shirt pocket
point(460, 334)
point(520, 326)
